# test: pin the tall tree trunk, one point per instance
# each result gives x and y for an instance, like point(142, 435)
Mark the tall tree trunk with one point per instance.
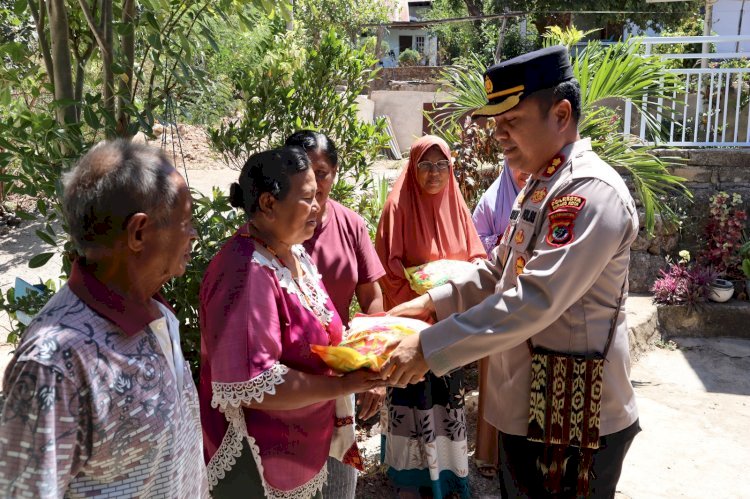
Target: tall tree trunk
point(81, 61)
point(475, 9)
point(62, 68)
point(103, 35)
point(39, 14)
point(108, 96)
point(500, 40)
point(127, 46)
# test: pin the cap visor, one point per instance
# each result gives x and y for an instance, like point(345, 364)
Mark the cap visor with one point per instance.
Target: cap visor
point(499, 108)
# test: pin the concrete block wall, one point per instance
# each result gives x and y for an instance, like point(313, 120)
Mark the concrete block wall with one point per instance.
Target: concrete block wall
point(405, 110)
point(707, 172)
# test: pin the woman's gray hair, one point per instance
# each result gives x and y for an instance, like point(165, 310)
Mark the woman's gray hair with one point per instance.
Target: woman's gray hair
point(112, 182)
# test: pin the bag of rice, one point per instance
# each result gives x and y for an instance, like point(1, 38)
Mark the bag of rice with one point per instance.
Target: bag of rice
point(365, 344)
point(423, 278)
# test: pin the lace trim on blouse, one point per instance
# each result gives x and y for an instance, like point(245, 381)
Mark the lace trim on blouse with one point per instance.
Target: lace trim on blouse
point(308, 290)
point(235, 394)
point(231, 448)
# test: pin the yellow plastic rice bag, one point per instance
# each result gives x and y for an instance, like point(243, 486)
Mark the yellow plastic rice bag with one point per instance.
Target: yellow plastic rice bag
point(423, 278)
point(365, 344)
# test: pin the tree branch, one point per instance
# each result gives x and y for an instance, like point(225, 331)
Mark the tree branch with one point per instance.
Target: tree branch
point(98, 33)
point(38, 14)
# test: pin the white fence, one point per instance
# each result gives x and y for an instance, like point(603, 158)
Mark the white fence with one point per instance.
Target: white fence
point(713, 110)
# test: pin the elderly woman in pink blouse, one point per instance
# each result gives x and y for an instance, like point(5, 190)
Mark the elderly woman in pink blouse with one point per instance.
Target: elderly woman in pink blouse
point(267, 403)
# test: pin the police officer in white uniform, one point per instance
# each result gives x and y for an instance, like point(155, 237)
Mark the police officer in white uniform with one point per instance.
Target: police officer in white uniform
point(557, 281)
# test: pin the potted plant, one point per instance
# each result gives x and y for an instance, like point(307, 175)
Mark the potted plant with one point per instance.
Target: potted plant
point(721, 290)
point(683, 283)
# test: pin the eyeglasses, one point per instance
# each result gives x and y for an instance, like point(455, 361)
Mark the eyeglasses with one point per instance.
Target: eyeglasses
point(440, 166)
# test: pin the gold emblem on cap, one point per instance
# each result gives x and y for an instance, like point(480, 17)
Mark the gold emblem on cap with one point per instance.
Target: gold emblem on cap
point(487, 84)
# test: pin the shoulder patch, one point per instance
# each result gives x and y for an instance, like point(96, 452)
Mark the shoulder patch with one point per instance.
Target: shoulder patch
point(560, 230)
point(569, 202)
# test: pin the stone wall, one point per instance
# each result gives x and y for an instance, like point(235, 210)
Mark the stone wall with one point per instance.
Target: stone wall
point(707, 171)
point(392, 78)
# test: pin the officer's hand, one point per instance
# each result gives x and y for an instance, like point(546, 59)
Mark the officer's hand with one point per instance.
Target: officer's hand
point(406, 364)
point(370, 401)
point(421, 308)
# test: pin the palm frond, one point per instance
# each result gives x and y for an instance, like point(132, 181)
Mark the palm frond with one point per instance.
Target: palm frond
point(621, 71)
point(464, 84)
point(650, 175)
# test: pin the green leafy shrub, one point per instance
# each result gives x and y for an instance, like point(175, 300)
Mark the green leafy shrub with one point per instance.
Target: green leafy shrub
point(409, 57)
point(30, 304)
point(215, 220)
point(297, 86)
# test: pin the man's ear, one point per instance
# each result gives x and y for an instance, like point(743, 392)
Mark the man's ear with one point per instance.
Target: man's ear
point(135, 230)
point(266, 204)
point(563, 113)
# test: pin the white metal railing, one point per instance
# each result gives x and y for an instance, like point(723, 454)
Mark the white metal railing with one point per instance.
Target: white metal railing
point(713, 109)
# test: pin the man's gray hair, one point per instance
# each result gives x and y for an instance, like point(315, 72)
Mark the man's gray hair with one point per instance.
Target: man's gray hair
point(112, 182)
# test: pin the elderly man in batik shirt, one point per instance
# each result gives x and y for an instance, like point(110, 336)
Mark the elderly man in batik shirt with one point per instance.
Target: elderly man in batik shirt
point(99, 400)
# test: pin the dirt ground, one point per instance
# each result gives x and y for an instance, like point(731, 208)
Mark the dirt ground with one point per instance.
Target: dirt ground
point(693, 396)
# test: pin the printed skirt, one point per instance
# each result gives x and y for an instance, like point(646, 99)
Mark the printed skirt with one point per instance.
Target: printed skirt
point(424, 440)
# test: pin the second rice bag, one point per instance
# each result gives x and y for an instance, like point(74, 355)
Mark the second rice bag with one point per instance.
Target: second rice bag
point(423, 278)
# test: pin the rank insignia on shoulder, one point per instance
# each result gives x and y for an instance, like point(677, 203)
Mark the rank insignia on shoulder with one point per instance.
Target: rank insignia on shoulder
point(538, 195)
point(569, 202)
point(560, 230)
point(553, 165)
point(520, 264)
point(519, 237)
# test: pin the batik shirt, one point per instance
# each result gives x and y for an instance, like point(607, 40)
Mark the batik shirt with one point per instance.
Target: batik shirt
point(94, 408)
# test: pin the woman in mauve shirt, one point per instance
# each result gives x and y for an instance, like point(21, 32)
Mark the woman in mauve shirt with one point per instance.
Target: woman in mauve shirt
point(346, 259)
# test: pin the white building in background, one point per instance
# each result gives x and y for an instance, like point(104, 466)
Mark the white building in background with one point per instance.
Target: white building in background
point(727, 21)
point(407, 31)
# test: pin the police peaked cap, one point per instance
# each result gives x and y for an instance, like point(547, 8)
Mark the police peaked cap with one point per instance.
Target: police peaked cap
point(511, 81)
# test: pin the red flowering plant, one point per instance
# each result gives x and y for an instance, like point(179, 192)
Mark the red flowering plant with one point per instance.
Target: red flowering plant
point(683, 283)
point(723, 235)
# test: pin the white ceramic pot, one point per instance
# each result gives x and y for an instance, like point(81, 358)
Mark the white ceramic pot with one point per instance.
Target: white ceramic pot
point(721, 290)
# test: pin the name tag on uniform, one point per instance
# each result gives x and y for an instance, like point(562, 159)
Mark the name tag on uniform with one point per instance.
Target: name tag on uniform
point(529, 215)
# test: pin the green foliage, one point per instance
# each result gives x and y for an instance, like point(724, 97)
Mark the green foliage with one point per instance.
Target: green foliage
point(215, 220)
point(30, 304)
point(346, 17)
point(745, 256)
point(409, 57)
point(569, 36)
point(691, 25)
point(295, 87)
point(480, 37)
point(604, 72)
point(517, 43)
point(372, 201)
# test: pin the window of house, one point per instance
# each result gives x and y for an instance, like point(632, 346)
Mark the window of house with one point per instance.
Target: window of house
point(419, 44)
